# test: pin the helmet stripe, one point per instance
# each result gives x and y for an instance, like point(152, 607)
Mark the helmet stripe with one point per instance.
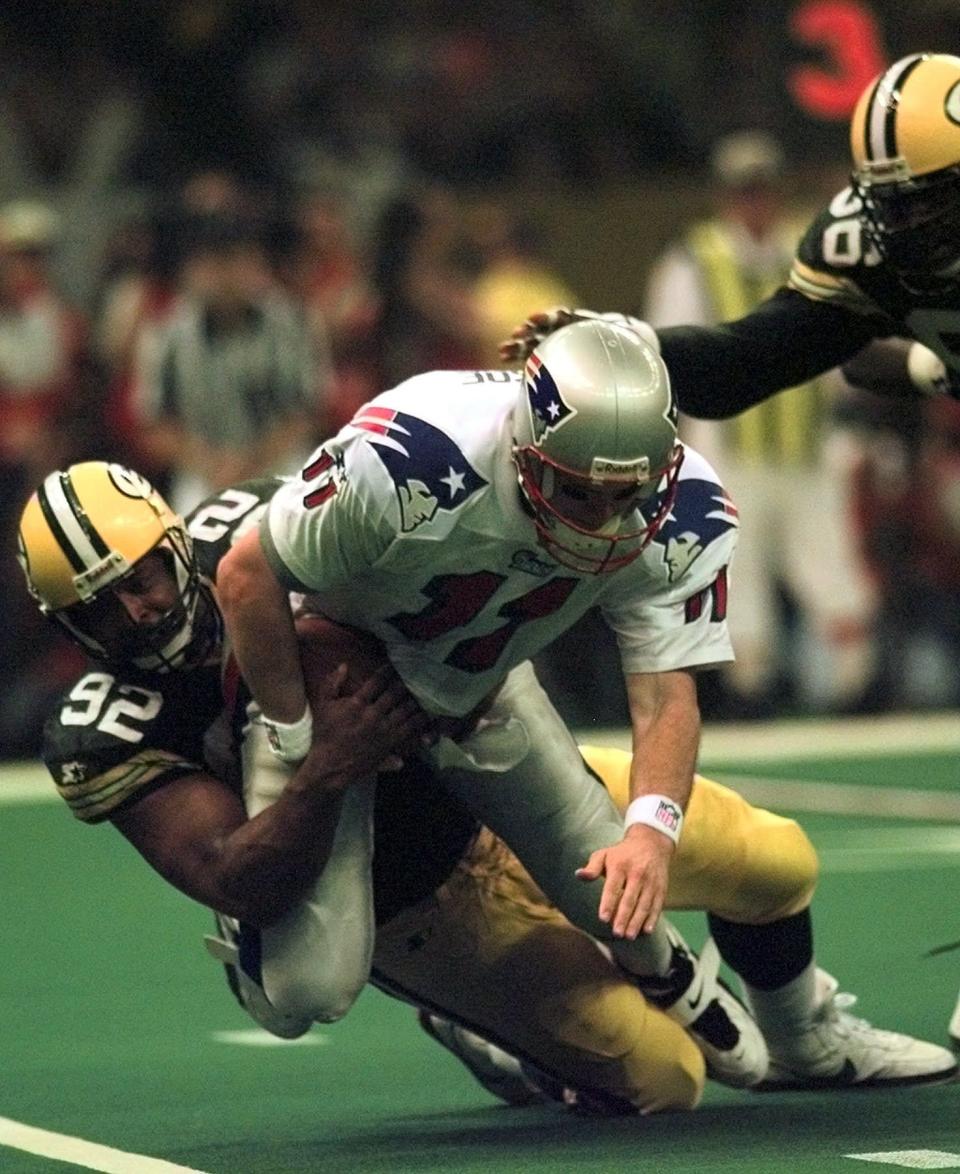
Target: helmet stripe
point(69, 524)
point(880, 124)
point(83, 518)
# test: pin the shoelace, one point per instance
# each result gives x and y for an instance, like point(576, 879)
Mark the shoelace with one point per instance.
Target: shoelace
point(836, 1011)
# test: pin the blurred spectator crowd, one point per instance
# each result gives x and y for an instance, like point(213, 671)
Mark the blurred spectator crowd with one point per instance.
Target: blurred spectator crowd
point(224, 227)
point(226, 337)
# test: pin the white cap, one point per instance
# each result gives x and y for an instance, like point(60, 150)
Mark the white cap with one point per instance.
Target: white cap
point(746, 158)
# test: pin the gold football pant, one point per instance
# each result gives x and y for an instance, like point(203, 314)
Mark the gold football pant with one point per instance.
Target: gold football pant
point(489, 951)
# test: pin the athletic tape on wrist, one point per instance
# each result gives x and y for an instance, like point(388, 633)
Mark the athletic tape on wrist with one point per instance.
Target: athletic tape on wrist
point(656, 811)
point(290, 741)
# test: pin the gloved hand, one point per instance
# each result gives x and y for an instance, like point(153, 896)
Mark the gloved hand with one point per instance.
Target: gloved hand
point(928, 373)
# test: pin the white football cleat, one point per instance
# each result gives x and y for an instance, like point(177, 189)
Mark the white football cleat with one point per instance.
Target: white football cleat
point(838, 1050)
point(500, 1073)
point(693, 994)
point(225, 947)
point(954, 1028)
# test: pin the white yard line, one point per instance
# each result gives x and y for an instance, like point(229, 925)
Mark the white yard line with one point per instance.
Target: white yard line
point(845, 798)
point(79, 1152)
point(802, 739)
point(912, 1159)
point(255, 1037)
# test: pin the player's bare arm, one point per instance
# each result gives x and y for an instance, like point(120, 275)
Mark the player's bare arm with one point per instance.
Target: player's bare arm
point(259, 623)
point(665, 720)
point(194, 832)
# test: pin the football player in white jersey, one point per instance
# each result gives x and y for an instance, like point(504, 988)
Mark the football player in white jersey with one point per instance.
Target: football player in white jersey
point(875, 284)
point(466, 519)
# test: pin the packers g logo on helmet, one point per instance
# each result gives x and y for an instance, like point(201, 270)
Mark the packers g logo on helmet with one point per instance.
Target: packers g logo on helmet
point(81, 532)
point(130, 483)
point(905, 143)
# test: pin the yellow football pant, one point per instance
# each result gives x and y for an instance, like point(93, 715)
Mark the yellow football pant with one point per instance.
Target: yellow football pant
point(487, 949)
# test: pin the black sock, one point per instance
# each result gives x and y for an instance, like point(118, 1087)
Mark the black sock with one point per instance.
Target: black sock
point(765, 956)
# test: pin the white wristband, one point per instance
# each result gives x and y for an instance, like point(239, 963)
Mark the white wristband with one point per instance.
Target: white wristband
point(290, 741)
point(656, 811)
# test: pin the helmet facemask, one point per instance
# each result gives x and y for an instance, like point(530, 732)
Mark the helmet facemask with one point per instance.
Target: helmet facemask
point(106, 558)
point(915, 225)
point(104, 627)
point(623, 538)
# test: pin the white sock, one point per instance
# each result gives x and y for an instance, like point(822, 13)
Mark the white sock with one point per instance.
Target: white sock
point(647, 955)
point(788, 1009)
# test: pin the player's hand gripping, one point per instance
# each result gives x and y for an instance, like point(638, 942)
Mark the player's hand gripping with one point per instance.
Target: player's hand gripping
point(526, 337)
point(635, 886)
point(360, 731)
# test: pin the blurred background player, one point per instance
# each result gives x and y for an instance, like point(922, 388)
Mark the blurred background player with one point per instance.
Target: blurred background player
point(797, 536)
point(49, 412)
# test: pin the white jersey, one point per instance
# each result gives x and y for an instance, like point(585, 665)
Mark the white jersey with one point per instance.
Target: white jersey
point(409, 524)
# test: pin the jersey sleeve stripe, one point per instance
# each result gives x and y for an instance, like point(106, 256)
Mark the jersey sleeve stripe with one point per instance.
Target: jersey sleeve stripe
point(825, 287)
point(92, 799)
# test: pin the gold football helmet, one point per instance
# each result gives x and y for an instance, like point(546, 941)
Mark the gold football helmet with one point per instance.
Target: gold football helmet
point(905, 142)
point(82, 534)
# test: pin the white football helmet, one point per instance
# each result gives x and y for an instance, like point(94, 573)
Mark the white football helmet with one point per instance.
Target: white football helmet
point(81, 533)
point(596, 407)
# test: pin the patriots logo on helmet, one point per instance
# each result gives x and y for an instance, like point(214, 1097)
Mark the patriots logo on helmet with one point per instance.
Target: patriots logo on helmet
point(548, 410)
point(427, 468)
point(701, 512)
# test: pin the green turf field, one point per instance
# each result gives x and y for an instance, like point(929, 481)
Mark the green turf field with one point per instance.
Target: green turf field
point(119, 1033)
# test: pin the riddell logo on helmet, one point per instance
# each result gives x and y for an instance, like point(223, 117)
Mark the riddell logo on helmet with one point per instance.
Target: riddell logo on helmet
point(87, 583)
point(603, 467)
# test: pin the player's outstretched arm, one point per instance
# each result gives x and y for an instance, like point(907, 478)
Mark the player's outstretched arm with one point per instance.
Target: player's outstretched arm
point(261, 634)
point(666, 734)
point(720, 371)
